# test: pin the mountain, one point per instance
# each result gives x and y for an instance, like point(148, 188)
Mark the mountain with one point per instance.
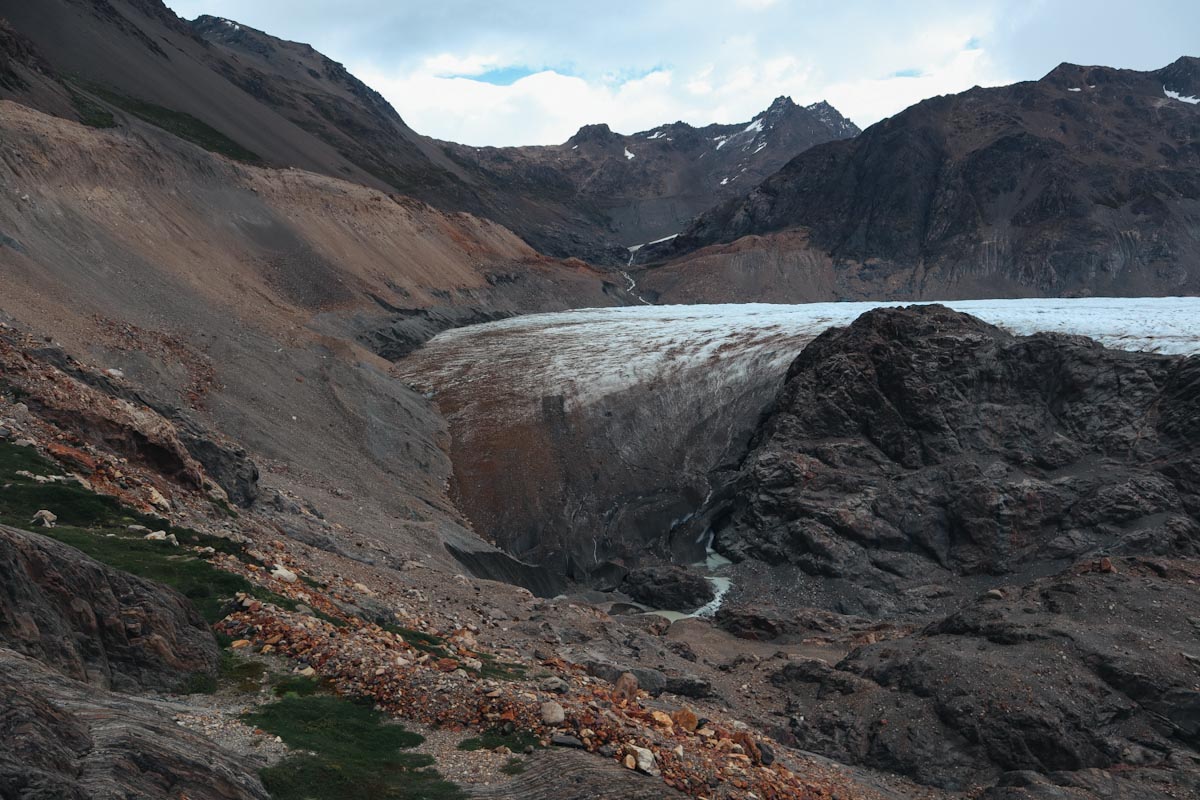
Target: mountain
point(1084, 182)
point(646, 186)
point(262, 99)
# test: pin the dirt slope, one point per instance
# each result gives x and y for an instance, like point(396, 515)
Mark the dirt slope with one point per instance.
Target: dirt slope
point(242, 292)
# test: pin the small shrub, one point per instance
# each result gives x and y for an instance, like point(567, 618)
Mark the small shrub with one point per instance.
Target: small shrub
point(514, 766)
point(299, 685)
point(516, 741)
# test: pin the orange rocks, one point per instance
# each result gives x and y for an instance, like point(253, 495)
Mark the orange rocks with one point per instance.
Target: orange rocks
point(748, 745)
point(686, 719)
point(662, 720)
point(72, 456)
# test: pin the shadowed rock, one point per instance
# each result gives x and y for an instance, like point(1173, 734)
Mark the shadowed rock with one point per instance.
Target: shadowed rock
point(920, 445)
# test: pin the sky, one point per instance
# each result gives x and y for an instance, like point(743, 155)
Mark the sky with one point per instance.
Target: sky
point(513, 72)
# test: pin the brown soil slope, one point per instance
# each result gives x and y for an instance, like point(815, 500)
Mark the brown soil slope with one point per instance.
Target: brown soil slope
point(242, 292)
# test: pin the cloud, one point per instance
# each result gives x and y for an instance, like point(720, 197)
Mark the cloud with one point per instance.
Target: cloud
point(452, 97)
point(534, 71)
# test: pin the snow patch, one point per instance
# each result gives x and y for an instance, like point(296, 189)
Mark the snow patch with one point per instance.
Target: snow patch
point(628, 155)
point(656, 135)
point(724, 181)
point(755, 127)
point(759, 148)
point(1179, 97)
point(720, 140)
point(1074, 90)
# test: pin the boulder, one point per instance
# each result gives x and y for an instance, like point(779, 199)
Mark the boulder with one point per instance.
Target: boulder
point(644, 760)
point(671, 588)
point(552, 713)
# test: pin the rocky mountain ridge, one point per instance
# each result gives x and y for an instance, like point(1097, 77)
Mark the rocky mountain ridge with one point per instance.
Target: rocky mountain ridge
point(1086, 182)
point(645, 186)
point(266, 100)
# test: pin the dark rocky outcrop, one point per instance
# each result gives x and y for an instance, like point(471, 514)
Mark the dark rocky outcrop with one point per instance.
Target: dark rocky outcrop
point(95, 624)
point(406, 329)
point(672, 588)
point(763, 623)
point(1083, 680)
point(1083, 182)
point(66, 740)
point(228, 464)
point(921, 446)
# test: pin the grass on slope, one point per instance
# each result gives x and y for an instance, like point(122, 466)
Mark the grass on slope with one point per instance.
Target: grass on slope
point(179, 123)
point(92, 114)
point(516, 741)
point(355, 752)
point(98, 525)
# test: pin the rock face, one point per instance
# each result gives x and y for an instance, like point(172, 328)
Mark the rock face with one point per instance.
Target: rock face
point(95, 624)
point(1081, 684)
point(65, 740)
point(1083, 182)
point(920, 445)
point(672, 588)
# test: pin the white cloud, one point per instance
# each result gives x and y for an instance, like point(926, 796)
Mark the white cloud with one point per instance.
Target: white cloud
point(447, 64)
point(547, 107)
point(698, 60)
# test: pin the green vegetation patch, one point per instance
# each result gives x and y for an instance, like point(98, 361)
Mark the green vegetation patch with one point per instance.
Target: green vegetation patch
point(240, 674)
point(98, 525)
point(179, 123)
point(500, 670)
point(299, 685)
point(516, 741)
point(425, 642)
point(91, 113)
point(355, 752)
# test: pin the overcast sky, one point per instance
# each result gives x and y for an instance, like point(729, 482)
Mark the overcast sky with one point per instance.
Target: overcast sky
point(506, 72)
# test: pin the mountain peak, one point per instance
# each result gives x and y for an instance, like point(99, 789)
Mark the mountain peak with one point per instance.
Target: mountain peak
point(599, 132)
point(1182, 76)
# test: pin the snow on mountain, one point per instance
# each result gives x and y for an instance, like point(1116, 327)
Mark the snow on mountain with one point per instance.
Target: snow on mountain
point(1180, 97)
